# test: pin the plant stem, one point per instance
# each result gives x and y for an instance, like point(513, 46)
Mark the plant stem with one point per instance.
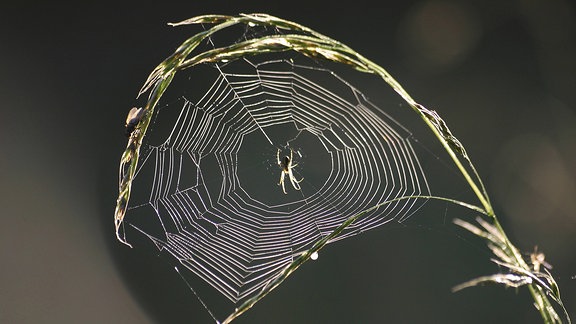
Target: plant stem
point(313, 44)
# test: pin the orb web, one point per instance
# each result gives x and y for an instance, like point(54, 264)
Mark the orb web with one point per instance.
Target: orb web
point(207, 187)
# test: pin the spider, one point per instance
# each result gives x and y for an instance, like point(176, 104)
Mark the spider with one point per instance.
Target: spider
point(287, 166)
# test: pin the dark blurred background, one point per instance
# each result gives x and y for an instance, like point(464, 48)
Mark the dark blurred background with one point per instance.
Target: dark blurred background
point(501, 73)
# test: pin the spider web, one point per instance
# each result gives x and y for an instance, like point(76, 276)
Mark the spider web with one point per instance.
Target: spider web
point(207, 189)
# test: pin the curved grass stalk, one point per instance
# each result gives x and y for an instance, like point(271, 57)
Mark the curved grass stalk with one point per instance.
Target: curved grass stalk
point(310, 43)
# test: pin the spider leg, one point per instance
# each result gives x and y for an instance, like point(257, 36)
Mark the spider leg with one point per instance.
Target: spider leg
point(282, 175)
point(278, 157)
point(295, 183)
